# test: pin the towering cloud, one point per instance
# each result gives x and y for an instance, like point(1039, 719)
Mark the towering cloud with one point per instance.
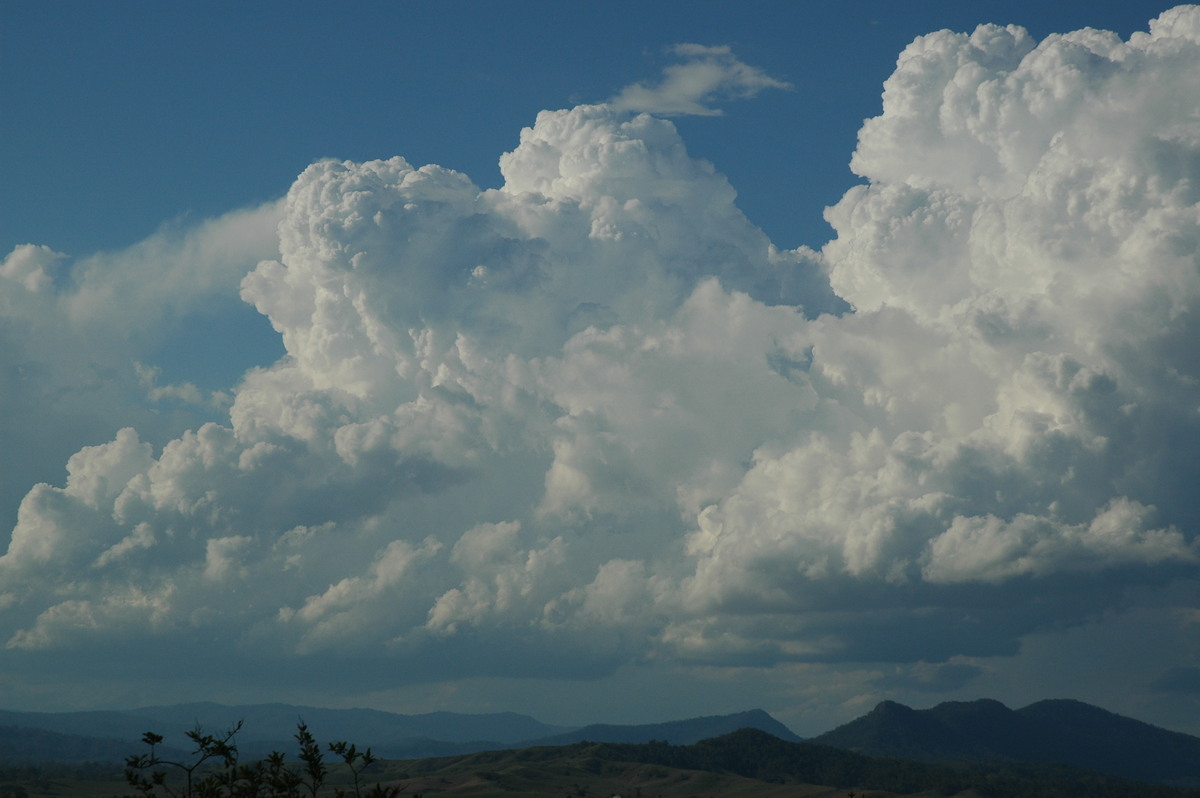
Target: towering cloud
point(596, 413)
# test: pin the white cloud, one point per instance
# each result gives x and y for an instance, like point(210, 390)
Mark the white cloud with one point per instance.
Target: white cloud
point(73, 333)
point(32, 267)
point(706, 74)
point(500, 579)
point(358, 606)
point(988, 549)
point(594, 417)
point(1023, 268)
point(187, 392)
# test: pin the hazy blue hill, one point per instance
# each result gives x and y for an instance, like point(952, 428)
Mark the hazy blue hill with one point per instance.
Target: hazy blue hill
point(104, 725)
point(1060, 731)
point(777, 768)
point(22, 745)
point(270, 727)
point(681, 732)
point(1067, 732)
point(271, 721)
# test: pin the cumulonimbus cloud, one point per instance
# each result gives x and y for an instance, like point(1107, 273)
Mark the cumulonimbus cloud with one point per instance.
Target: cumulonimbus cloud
point(596, 413)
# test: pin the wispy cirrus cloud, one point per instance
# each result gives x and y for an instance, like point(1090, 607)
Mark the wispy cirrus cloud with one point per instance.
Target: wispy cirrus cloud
point(705, 76)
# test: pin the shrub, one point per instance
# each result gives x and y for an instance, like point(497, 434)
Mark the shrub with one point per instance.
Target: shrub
point(214, 771)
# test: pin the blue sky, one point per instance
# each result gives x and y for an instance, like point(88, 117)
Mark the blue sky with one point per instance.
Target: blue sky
point(127, 117)
point(641, 419)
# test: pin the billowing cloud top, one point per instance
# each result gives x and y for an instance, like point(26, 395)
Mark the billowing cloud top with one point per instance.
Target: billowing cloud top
point(594, 416)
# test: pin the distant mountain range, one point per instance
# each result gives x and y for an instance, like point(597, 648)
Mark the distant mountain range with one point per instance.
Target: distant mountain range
point(1056, 731)
point(1048, 733)
point(85, 736)
point(680, 732)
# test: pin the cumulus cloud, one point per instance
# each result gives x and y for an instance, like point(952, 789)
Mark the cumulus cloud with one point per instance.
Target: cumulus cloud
point(79, 339)
point(595, 417)
point(707, 74)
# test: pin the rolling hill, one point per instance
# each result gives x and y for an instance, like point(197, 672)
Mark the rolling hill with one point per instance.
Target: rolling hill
point(680, 732)
point(269, 727)
point(1051, 733)
point(1054, 731)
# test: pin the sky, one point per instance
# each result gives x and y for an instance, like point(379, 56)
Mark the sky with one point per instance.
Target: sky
point(622, 363)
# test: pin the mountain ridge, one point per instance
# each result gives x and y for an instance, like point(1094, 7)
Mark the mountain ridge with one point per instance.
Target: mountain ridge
point(748, 763)
point(269, 727)
point(267, 721)
point(1045, 732)
point(680, 732)
point(1049, 732)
